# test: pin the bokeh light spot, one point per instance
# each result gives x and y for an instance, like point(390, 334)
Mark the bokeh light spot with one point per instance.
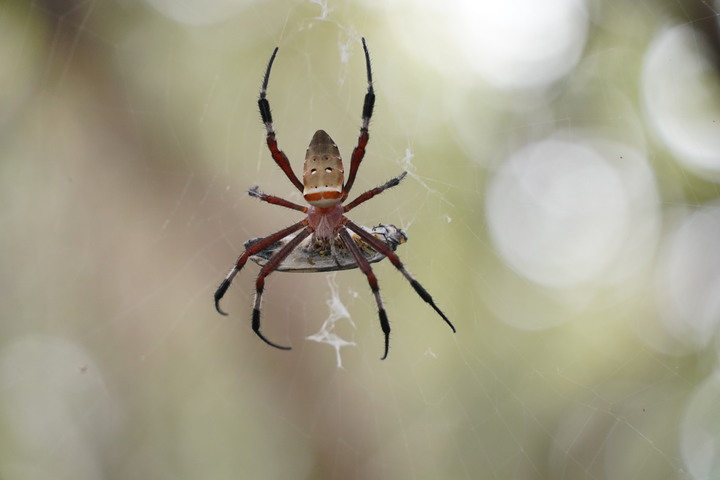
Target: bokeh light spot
point(690, 280)
point(700, 431)
point(680, 89)
point(557, 212)
point(511, 45)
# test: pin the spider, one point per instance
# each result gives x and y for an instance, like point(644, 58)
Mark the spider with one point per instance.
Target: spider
point(331, 245)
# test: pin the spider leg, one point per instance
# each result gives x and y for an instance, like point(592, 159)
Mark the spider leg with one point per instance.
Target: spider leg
point(395, 260)
point(272, 199)
point(368, 104)
point(375, 191)
point(266, 270)
point(364, 266)
point(264, 106)
point(249, 252)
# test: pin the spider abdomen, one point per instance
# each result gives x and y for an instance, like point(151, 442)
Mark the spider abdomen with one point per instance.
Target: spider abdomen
point(316, 255)
point(323, 172)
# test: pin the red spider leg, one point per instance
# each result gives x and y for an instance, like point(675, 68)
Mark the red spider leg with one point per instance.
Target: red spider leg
point(264, 106)
point(266, 270)
point(368, 104)
point(249, 252)
point(395, 260)
point(364, 266)
point(375, 191)
point(255, 192)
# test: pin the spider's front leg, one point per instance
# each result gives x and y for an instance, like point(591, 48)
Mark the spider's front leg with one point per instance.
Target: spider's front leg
point(395, 260)
point(365, 268)
point(249, 252)
point(266, 270)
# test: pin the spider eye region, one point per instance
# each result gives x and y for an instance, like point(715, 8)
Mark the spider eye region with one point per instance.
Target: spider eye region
point(323, 173)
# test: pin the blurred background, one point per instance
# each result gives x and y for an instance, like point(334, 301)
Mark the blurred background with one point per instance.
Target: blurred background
point(562, 207)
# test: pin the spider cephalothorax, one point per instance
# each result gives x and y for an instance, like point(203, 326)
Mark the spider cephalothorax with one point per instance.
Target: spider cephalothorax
point(335, 242)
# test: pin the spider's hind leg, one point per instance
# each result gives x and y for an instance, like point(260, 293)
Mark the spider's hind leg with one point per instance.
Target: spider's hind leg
point(367, 111)
point(264, 106)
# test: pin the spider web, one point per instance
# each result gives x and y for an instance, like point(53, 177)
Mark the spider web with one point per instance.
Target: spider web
point(561, 206)
point(327, 333)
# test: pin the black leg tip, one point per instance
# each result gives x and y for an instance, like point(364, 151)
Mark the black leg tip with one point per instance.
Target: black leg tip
point(385, 325)
point(256, 329)
point(219, 310)
point(272, 344)
point(219, 294)
point(426, 296)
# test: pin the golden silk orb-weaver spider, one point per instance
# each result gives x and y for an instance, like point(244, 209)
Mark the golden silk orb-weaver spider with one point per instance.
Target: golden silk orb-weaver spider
point(325, 240)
